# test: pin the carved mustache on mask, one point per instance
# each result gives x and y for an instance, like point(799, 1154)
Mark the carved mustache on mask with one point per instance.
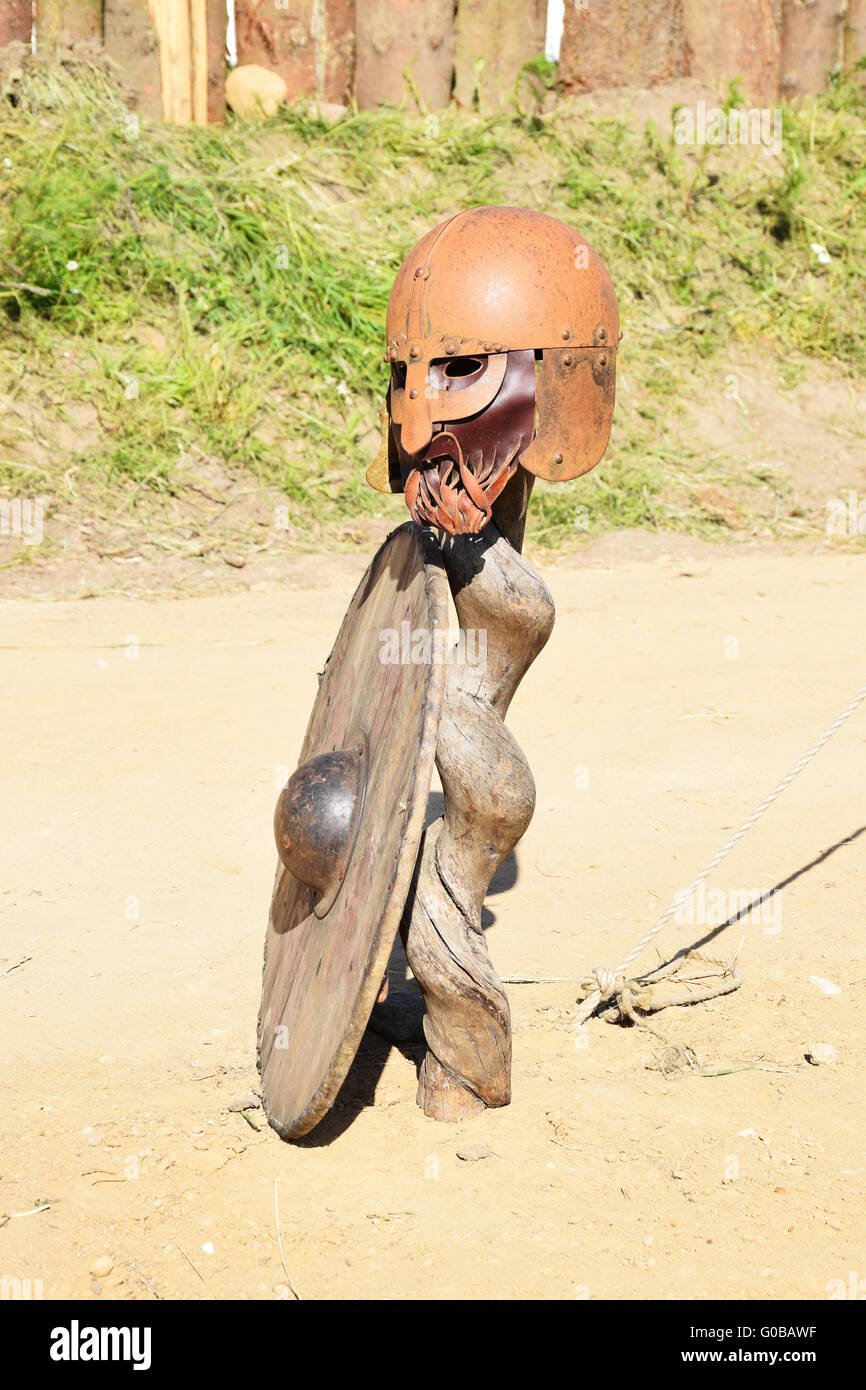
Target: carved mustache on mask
point(453, 493)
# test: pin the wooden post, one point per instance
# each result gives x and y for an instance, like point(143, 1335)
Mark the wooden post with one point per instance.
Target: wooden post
point(310, 44)
point(16, 18)
point(505, 36)
point(192, 58)
point(216, 60)
point(198, 46)
point(855, 35)
point(735, 39)
point(489, 801)
point(132, 47)
point(812, 41)
point(396, 35)
point(61, 24)
point(177, 43)
point(620, 43)
point(158, 14)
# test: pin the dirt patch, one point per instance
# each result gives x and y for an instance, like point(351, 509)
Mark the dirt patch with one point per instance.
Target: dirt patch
point(791, 455)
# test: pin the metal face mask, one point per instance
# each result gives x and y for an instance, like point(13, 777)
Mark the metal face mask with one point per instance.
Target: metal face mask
point(456, 456)
point(502, 336)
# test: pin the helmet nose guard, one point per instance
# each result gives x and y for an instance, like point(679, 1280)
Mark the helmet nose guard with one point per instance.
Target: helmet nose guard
point(416, 422)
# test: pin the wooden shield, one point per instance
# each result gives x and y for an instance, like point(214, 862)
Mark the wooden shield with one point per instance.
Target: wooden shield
point(322, 973)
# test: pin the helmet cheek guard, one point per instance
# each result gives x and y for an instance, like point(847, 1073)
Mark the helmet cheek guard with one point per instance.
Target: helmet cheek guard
point(575, 393)
point(384, 472)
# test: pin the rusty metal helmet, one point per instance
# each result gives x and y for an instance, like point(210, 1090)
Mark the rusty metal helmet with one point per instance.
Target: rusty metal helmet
point(502, 336)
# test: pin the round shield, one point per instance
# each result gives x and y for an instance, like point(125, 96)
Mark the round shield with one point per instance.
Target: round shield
point(348, 826)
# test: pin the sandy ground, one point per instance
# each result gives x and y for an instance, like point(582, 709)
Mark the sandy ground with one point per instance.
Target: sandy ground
point(142, 745)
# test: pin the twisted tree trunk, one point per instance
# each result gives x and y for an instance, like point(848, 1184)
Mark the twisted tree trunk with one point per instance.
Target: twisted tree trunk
point(489, 801)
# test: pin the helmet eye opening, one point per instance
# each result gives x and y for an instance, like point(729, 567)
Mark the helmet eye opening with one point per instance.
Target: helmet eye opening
point(398, 375)
point(457, 373)
point(459, 368)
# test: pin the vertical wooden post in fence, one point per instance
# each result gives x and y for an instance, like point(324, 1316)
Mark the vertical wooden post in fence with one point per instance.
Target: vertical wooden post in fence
point(812, 40)
point(280, 40)
point(216, 60)
point(855, 35)
point(198, 48)
point(158, 16)
point(311, 44)
point(505, 36)
point(735, 39)
point(396, 35)
point(131, 46)
point(61, 24)
point(177, 42)
point(619, 43)
point(16, 18)
point(191, 36)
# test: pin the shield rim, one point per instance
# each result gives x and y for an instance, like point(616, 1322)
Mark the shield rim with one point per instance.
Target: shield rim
point(399, 884)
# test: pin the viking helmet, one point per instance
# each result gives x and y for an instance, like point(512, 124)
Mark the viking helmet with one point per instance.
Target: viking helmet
point(502, 337)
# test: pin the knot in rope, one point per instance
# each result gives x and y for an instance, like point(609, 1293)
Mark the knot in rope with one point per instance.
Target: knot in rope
point(608, 982)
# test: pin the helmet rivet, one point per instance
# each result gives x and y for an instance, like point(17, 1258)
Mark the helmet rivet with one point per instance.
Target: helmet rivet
point(413, 352)
point(419, 271)
point(567, 360)
point(486, 347)
point(602, 360)
point(566, 334)
point(602, 333)
point(557, 458)
point(450, 347)
point(413, 393)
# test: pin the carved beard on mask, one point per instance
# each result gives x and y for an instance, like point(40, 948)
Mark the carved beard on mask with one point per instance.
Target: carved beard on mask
point(454, 480)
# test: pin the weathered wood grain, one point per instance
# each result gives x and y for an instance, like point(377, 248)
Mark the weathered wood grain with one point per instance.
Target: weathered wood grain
point(321, 976)
point(16, 19)
point(489, 801)
point(395, 36)
point(63, 24)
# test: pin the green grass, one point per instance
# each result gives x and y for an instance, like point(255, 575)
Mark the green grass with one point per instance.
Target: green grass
point(220, 294)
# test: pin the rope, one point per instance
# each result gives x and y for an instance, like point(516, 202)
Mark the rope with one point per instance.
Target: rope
point(610, 982)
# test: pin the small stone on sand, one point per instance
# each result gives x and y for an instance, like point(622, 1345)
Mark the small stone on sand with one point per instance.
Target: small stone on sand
point(473, 1154)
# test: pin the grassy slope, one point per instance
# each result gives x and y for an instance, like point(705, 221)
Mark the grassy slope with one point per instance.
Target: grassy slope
point(219, 295)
